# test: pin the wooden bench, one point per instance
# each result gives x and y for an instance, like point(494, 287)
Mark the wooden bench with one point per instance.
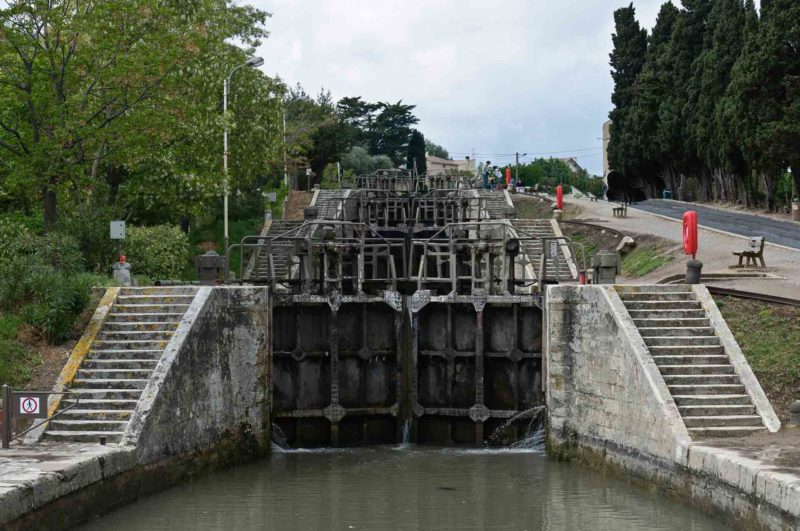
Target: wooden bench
point(620, 211)
point(756, 251)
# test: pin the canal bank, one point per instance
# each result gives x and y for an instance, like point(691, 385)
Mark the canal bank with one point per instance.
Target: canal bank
point(608, 406)
point(614, 406)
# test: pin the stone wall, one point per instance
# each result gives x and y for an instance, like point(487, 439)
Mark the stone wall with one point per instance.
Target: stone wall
point(603, 387)
point(212, 383)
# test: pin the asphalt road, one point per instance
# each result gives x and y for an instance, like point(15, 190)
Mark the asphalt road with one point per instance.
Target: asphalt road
point(780, 232)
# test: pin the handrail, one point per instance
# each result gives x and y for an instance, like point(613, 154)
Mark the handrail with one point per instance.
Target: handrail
point(8, 412)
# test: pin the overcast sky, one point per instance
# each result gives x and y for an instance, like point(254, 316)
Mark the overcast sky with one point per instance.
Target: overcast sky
point(494, 76)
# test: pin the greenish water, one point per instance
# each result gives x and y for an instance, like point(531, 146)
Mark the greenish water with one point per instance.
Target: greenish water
point(406, 489)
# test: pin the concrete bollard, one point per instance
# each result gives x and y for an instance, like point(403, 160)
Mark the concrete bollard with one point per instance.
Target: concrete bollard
point(694, 269)
point(557, 214)
point(794, 413)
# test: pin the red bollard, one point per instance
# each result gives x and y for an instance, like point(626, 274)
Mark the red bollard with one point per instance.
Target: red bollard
point(690, 233)
point(560, 197)
point(508, 177)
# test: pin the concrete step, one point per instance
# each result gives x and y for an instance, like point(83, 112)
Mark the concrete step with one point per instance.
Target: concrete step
point(83, 436)
point(710, 400)
point(160, 290)
point(663, 305)
point(109, 383)
point(136, 317)
point(137, 308)
point(705, 389)
point(717, 410)
point(125, 354)
point(119, 415)
point(125, 364)
point(99, 403)
point(683, 361)
point(669, 370)
point(733, 431)
point(106, 394)
point(688, 350)
point(667, 314)
point(135, 335)
point(693, 323)
point(109, 344)
point(682, 331)
point(58, 424)
point(722, 421)
point(653, 288)
point(141, 326)
point(701, 379)
point(666, 296)
point(115, 373)
point(154, 300)
point(676, 341)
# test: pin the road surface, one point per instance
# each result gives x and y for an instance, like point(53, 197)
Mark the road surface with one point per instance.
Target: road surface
point(775, 231)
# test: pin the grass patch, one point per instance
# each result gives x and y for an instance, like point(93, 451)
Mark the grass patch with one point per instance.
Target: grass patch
point(641, 261)
point(769, 335)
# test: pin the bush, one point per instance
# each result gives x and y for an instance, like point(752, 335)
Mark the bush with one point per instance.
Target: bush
point(58, 300)
point(88, 222)
point(17, 240)
point(15, 362)
point(160, 252)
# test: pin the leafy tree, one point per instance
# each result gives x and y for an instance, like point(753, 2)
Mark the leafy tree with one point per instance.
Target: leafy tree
point(82, 81)
point(391, 131)
point(416, 153)
point(436, 150)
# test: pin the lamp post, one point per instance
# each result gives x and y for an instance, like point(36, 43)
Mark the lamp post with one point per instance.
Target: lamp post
point(516, 168)
point(253, 62)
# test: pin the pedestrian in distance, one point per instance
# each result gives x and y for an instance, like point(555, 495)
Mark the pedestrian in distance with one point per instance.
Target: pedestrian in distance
point(486, 169)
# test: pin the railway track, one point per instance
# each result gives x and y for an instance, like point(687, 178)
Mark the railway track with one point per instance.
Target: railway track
point(730, 292)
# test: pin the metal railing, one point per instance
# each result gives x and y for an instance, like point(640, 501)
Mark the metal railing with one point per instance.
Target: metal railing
point(41, 403)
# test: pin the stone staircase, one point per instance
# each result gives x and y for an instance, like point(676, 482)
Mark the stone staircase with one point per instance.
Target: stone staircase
point(495, 203)
point(709, 394)
point(121, 359)
point(329, 203)
point(281, 253)
point(557, 269)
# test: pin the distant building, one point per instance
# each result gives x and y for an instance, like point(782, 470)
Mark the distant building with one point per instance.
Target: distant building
point(572, 162)
point(606, 138)
point(439, 166)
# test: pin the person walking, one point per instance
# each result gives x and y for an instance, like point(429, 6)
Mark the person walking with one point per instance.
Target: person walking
point(486, 169)
point(498, 178)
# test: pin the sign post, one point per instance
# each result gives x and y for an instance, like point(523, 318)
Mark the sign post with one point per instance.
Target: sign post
point(7, 416)
point(117, 232)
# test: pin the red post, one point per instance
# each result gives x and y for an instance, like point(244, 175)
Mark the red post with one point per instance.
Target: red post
point(508, 177)
point(560, 197)
point(690, 232)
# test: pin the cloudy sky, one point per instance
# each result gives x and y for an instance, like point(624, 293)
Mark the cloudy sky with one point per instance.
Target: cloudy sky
point(495, 77)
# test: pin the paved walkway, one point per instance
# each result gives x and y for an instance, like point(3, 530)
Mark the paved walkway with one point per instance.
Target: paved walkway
point(775, 231)
point(783, 264)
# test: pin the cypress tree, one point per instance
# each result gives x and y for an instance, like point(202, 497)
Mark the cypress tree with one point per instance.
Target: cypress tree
point(416, 152)
point(626, 60)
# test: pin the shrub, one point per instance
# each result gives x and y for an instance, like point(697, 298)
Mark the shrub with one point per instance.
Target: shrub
point(59, 251)
point(17, 240)
point(160, 252)
point(15, 362)
point(88, 222)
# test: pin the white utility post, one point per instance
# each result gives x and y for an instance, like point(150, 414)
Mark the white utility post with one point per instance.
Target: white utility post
point(252, 62)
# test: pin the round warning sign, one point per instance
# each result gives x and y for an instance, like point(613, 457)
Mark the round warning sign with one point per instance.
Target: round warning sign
point(29, 405)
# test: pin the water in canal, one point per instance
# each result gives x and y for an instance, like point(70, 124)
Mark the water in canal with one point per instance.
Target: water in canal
point(405, 488)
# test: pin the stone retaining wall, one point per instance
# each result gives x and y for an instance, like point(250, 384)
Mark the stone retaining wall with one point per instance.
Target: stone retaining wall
point(608, 406)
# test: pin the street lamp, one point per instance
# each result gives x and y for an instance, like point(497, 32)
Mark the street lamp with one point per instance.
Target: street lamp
point(253, 62)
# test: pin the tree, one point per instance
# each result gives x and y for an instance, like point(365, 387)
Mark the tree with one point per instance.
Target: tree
point(626, 60)
point(82, 80)
point(416, 153)
point(436, 150)
point(391, 130)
